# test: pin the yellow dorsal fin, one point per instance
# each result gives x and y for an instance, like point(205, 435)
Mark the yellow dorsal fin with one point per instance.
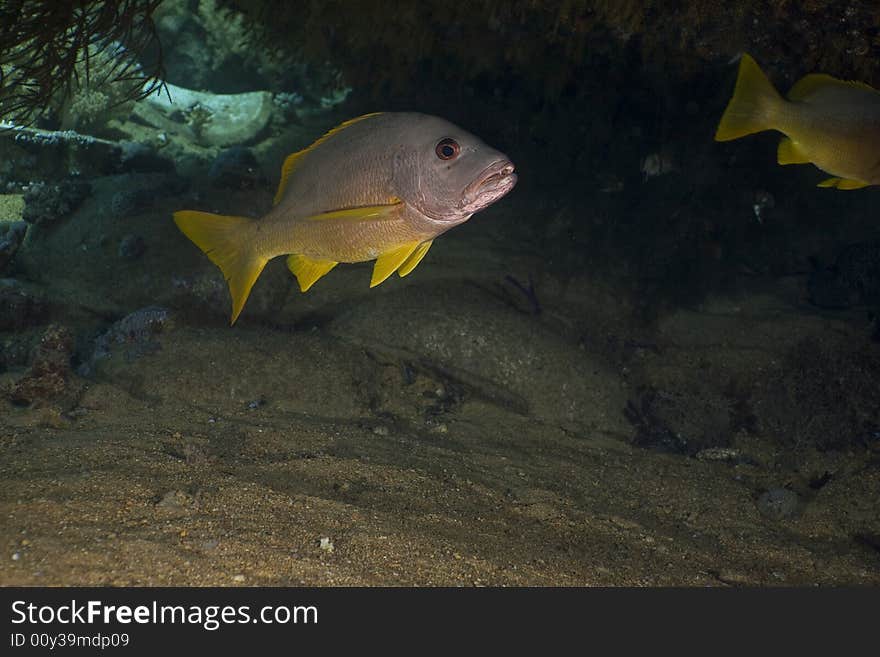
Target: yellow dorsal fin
point(293, 160)
point(809, 84)
point(789, 153)
point(308, 270)
point(363, 213)
point(843, 183)
point(414, 259)
point(225, 240)
point(387, 263)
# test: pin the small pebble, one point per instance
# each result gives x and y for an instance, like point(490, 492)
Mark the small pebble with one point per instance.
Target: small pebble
point(381, 430)
point(719, 454)
point(175, 499)
point(326, 544)
point(778, 503)
point(16, 556)
point(238, 579)
point(132, 247)
point(235, 168)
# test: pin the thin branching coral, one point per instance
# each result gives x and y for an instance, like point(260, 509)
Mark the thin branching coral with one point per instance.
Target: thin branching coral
point(47, 46)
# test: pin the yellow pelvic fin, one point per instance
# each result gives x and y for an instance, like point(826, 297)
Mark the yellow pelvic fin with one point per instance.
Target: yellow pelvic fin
point(294, 159)
point(809, 84)
point(308, 270)
point(387, 263)
point(362, 213)
point(843, 183)
point(753, 105)
point(225, 240)
point(789, 153)
point(414, 259)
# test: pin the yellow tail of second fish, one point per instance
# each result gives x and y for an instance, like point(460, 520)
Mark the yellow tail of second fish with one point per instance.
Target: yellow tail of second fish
point(754, 106)
point(225, 240)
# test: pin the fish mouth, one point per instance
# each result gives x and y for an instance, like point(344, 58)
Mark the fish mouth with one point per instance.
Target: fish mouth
point(491, 184)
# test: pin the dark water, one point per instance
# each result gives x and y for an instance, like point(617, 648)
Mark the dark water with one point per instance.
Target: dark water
point(654, 362)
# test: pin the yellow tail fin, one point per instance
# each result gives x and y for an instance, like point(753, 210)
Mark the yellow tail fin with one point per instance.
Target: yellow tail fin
point(225, 241)
point(753, 106)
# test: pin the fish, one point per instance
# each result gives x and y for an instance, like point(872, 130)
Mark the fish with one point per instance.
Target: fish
point(831, 123)
point(382, 186)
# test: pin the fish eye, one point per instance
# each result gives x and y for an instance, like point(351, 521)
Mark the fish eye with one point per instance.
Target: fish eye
point(447, 149)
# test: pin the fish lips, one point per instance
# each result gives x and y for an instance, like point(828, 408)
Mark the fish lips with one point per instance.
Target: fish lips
point(494, 181)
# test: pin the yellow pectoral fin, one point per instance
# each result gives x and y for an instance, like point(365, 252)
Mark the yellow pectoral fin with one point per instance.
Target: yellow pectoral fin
point(363, 213)
point(414, 258)
point(789, 153)
point(843, 183)
point(388, 263)
point(308, 270)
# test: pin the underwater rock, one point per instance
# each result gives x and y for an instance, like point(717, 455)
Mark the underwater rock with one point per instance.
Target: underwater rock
point(49, 372)
point(176, 500)
point(236, 168)
point(826, 290)
point(127, 202)
point(20, 306)
point(15, 349)
point(135, 333)
point(132, 247)
point(206, 118)
point(853, 279)
point(822, 393)
point(135, 157)
point(493, 351)
point(53, 154)
point(138, 193)
point(778, 503)
point(47, 203)
point(859, 269)
point(675, 422)
point(11, 236)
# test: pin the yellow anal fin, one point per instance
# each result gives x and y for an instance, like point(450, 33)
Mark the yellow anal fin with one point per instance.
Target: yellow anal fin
point(388, 263)
point(294, 159)
point(362, 213)
point(224, 240)
point(843, 183)
point(414, 258)
point(308, 270)
point(789, 153)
